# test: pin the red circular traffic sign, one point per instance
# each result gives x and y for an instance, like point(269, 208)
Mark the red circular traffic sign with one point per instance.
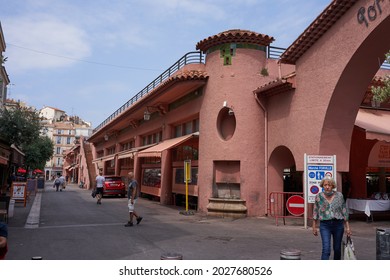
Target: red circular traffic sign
point(295, 205)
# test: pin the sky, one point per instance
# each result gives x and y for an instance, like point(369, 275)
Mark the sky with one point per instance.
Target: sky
point(90, 57)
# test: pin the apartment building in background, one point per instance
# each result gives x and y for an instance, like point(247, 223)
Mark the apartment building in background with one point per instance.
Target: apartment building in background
point(63, 130)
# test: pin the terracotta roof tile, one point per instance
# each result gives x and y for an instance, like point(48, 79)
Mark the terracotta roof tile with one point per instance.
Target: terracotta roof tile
point(316, 30)
point(234, 36)
point(185, 75)
point(277, 86)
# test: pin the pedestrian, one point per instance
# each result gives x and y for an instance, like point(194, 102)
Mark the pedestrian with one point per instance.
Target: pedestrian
point(330, 209)
point(3, 240)
point(132, 195)
point(63, 183)
point(57, 183)
point(99, 187)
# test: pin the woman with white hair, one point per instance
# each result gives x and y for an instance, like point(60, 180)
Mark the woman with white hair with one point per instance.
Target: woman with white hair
point(331, 211)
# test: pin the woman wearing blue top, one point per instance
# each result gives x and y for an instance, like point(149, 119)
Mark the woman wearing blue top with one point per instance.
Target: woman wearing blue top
point(331, 211)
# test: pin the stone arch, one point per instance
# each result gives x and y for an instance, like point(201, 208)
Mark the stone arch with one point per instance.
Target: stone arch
point(280, 159)
point(350, 89)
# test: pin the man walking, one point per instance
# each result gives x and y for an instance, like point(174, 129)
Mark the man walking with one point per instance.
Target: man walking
point(132, 195)
point(99, 187)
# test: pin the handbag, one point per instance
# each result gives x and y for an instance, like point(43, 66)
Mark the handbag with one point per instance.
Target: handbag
point(93, 193)
point(349, 249)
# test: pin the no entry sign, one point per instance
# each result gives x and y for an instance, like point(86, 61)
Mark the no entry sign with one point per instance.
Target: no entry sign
point(295, 205)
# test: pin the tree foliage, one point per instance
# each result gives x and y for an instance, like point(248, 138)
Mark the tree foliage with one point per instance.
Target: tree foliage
point(382, 93)
point(21, 126)
point(38, 152)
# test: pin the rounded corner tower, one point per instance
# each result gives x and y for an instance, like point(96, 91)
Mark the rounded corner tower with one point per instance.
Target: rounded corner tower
point(232, 164)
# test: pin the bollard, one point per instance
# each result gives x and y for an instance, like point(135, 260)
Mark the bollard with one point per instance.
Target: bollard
point(37, 258)
point(171, 256)
point(11, 208)
point(383, 244)
point(290, 254)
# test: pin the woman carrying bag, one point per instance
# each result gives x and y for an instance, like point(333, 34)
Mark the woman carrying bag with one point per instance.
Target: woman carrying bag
point(331, 211)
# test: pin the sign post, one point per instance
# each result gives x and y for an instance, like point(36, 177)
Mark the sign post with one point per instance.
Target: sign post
point(187, 179)
point(316, 168)
point(295, 205)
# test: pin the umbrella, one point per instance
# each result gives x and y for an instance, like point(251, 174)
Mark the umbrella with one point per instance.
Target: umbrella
point(21, 170)
point(38, 171)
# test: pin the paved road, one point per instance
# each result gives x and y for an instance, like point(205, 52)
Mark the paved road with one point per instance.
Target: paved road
point(70, 225)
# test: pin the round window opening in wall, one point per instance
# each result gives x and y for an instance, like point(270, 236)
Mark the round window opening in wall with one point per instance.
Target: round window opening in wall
point(226, 123)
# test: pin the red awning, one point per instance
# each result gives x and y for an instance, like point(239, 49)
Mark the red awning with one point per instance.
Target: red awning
point(21, 170)
point(38, 171)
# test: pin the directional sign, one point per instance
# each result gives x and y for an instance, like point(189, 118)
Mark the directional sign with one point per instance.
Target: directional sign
point(295, 205)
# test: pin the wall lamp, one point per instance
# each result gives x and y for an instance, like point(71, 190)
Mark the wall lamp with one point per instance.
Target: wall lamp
point(147, 114)
point(162, 109)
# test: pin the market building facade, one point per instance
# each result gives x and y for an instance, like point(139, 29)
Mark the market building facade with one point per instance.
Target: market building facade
point(245, 120)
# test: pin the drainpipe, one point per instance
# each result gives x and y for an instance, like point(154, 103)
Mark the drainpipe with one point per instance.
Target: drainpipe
point(279, 69)
point(265, 149)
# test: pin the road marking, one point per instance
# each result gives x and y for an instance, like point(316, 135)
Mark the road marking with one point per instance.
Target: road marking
point(35, 212)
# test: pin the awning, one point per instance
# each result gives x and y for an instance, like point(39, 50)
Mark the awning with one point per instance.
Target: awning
point(156, 151)
point(130, 153)
point(106, 158)
point(127, 154)
point(375, 122)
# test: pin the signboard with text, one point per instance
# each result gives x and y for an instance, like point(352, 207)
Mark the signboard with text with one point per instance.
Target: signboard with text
point(316, 168)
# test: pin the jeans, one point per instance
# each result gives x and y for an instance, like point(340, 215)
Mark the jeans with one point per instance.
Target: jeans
point(328, 229)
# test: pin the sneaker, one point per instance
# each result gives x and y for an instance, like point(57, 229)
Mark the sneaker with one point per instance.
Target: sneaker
point(139, 219)
point(129, 224)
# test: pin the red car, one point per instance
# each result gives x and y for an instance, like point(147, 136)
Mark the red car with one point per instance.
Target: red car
point(114, 186)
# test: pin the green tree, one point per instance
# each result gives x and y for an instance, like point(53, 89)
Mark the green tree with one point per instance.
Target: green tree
point(38, 152)
point(21, 126)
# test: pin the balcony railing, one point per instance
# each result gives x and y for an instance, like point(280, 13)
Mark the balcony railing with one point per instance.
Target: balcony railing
point(189, 58)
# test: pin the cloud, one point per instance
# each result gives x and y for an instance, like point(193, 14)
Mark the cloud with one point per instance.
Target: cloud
point(42, 42)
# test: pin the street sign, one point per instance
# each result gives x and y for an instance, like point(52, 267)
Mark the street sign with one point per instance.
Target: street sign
point(295, 205)
point(316, 168)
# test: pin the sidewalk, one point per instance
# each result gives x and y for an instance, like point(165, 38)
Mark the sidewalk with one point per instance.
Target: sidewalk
point(198, 237)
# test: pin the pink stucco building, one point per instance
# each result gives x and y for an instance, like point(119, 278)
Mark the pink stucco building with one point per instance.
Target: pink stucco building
point(245, 119)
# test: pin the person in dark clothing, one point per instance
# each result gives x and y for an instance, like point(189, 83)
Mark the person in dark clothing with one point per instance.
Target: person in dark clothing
point(3, 240)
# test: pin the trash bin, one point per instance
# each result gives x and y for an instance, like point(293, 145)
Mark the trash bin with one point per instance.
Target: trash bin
point(383, 243)
point(290, 254)
point(171, 256)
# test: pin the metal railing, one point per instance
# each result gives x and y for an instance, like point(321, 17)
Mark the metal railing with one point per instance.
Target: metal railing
point(188, 58)
point(274, 52)
point(277, 206)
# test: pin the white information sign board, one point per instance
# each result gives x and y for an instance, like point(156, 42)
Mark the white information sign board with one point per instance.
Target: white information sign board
point(316, 168)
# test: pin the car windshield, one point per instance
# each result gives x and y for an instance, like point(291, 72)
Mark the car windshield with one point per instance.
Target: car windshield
point(110, 179)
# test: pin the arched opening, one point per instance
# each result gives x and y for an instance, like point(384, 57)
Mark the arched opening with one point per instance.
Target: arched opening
point(282, 173)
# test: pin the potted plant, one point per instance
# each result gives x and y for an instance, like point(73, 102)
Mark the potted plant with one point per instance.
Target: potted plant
point(381, 93)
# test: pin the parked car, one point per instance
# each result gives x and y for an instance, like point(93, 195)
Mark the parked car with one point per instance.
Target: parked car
point(114, 186)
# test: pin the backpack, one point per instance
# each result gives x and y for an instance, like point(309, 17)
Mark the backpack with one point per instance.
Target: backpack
point(57, 182)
